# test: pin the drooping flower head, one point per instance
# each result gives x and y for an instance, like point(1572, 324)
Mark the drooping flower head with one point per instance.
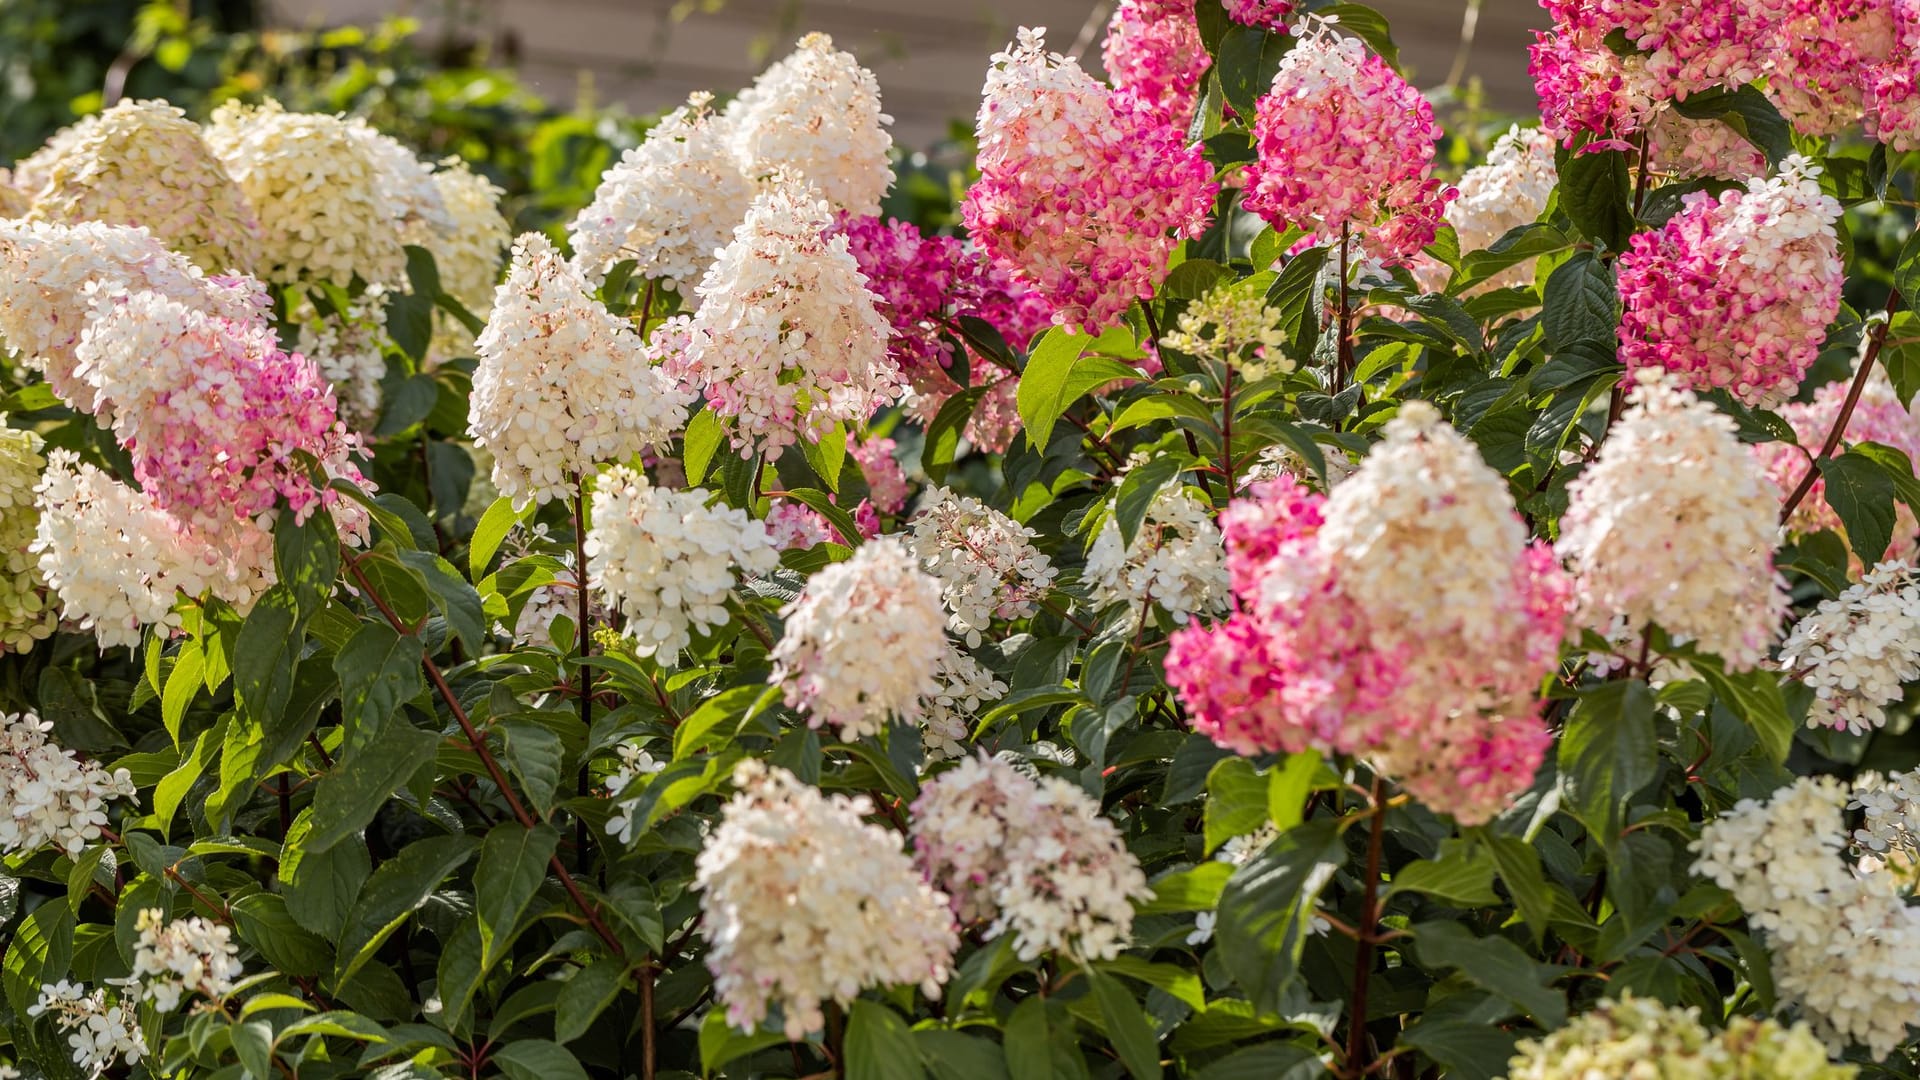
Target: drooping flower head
point(1623, 1036)
point(1153, 49)
point(1736, 293)
point(1345, 150)
point(563, 385)
point(1083, 191)
point(1674, 524)
point(1435, 686)
point(1033, 858)
point(45, 301)
point(787, 342)
point(218, 419)
point(803, 903)
point(667, 560)
point(862, 641)
point(118, 563)
point(53, 798)
point(317, 188)
point(670, 204)
point(144, 163)
point(817, 114)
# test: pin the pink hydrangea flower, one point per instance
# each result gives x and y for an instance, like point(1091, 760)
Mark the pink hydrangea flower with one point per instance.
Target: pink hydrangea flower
point(1345, 147)
point(1265, 14)
point(886, 481)
point(1736, 293)
point(1083, 191)
point(1878, 417)
point(1153, 49)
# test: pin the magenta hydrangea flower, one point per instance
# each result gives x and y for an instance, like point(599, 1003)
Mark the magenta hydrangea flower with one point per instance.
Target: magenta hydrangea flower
point(1736, 292)
point(1153, 49)
point(1265, 14)
point(1345, 145)
point(1893, 88)
point(1083, 191)
point(1328, 652)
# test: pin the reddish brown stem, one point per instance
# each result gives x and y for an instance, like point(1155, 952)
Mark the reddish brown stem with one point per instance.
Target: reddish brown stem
point(1877, 338)
point(1356, 1063)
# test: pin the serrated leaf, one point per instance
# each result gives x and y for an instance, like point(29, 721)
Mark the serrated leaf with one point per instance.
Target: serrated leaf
point(698, 445)
point(379, 670)
point(1580, 303)
point(491, 532)
point(538, 1059)
point(513, 863)
point(585, 996)
point(351, 793)
point(1609, 749)
point(1267, 906)
point(265, 922)
point(1461, 878)
point(1594, 191)
point(394, 892)
point(1862, 494)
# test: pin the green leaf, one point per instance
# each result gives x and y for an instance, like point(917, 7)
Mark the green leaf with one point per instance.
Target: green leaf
point(836, 517)
point(585, 996)
point(1519, 867)
point(1058, 373)
point(535, 754)
point(492, 531)
point(954, 1055)
point(264, 657)
point(879, 1045)
point(1266, 909)
point(1466, 1050)
point(1287, 788)
point(1754, 696)
point(702, 440)
point(1137, 493)
point(720, 1043)
point(1195, 889)
point(1609, 750)
point(1747, 111)
point(827, 456)
point(1165, 406)
point(1028, 1041)
point(320, 886)
point(1236, 801)
point(1267, 1061)
point(1177, 981)
point(513, 863)
point(306, 557)
point(1899, 469)
point(350, 795)
point(183, 685)
point(1366, 24)
point(1462, 877)
point(457, 600)
point(379, 671)
point(265, 922)
point(40, 952)
point(942, 439)
point(1248, 59)
point(1580, 303)
point(1495, 964)
point(1860, 491)
point(71, 704)
point(253, 1045)
point(395, 891)
point(1595, 188)
point(538, 1059)
point(1127, 1027)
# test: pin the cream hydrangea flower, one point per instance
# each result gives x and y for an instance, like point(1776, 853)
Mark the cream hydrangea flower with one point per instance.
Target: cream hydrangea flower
point(1176, 560)
point(1857, 650)
point(1645, 1040)
point(144, 163)
point(27, 611)
point(52, 798)
point(172, 960)
point(562, 385)
point(986, 562)
point(469, 255)
point(99, 1034)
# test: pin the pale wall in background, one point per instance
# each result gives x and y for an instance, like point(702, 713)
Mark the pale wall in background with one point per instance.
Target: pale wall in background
point(930, 55)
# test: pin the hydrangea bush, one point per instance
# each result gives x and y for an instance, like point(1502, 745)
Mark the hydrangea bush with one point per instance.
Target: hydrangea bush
point(1246, 602)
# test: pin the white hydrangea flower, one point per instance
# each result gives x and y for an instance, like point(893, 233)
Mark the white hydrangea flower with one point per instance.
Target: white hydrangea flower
point(817, 113)
point(49, 797)
point(986, 562)
point(671, 203)
point(545, 603)
point(98, 1033)
point(667, 560)
point(467, 256)
point(1674, 524)
point(419, 211)
point(1845, 946)
point(562, 385)
point(1858, 649)
point(32, 172)
point(117, 563)
point(803, 902)
point(1890, 814)
point(172, 960)
point(349, 349)
point(1642, 1039)
point(1422, 499)
point(1509, 191)
point(862, 642)
point(963, 687)
point(1035, 858)
point(45, 274)
point(787, 343)
point(634, 764)
point(325, 211)
point(144, 163)
point(1176, 560)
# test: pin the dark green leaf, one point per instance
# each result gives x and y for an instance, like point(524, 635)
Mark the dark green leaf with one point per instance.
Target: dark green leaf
point(1495, 964)
point(513, 863)
point(1236, 801)
point(350, 795)
point(394, 892)
point(879, 1045)
point(1594, 191)
point(379, 670)
point(1127, 1027)
point(585, 996)
point(1580, 304)
point(1859, 490)
point(1609, 750)
point(1267, 907)
point(538, 1059)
